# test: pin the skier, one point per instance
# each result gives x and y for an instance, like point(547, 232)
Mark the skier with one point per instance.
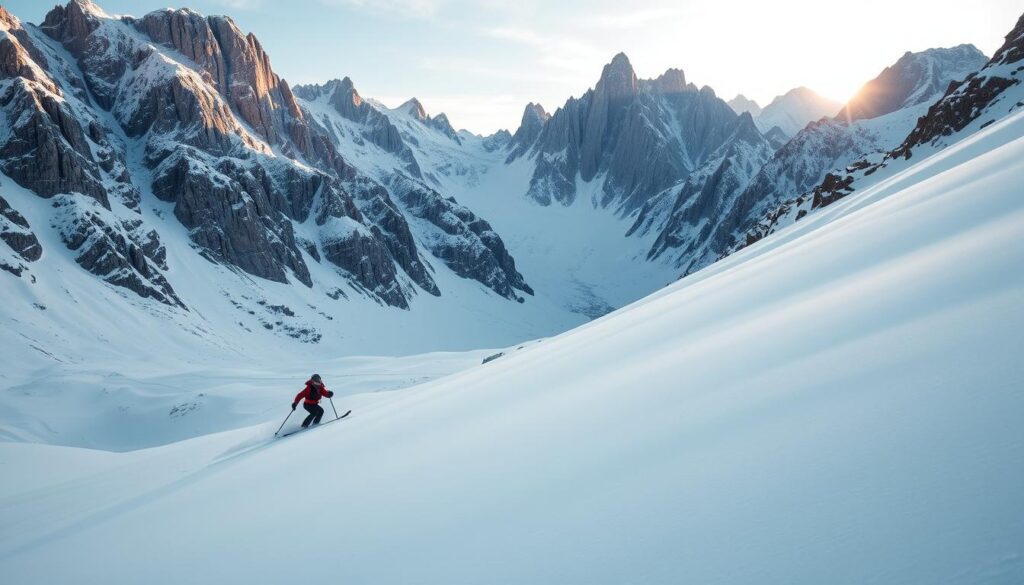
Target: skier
point(312, 393)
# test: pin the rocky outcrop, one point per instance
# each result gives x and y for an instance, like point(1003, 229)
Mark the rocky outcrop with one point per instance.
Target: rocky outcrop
point(415, 110)
point(454, 235)
point(388, 224)
point(230, 219)
point(58, 149)
point(372, 125)
point(230, 145)
point(46, 148)
point(968, 100)
point(966, 106)
point(497, 141)
point(638, 137)
point(532, 124)
point(121, 252)
point(464, 242)
point(441, 124)
point(710, 204)
point(914, 79)
point(237, 66)
point(16, 232)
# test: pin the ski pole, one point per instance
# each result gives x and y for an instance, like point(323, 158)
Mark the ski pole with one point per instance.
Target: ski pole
point(282, 423)
point(336, 417)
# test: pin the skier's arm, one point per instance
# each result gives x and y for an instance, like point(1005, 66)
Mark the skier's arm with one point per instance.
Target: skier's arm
point(327, 392)
point(298, 397)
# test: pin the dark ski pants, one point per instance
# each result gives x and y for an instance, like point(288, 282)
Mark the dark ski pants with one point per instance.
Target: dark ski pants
point(315, 414)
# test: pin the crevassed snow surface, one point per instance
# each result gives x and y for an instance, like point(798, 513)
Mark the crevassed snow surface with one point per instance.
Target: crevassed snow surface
point(839, 403)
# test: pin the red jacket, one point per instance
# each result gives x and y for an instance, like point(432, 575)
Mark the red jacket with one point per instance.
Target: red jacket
point(312, 394)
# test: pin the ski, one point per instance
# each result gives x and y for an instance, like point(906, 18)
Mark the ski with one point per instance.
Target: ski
point(300, 429)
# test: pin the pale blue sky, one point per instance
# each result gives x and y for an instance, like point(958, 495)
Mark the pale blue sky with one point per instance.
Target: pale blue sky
point(481, 62)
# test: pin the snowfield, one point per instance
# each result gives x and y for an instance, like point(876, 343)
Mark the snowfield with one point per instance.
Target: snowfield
point(839, 403)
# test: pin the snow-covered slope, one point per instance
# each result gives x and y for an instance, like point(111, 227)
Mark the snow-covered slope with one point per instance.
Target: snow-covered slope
point(967, 106)
point(838, 403)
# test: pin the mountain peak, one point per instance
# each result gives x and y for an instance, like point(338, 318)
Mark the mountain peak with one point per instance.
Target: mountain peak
point(914, 79)
point(671, 81)
point(618, 77)
point(792, 110)
point(534, 111)
point(414, 108)
point(87, 7)
point(742, 103)
point(620, 60)
point(1013, 47)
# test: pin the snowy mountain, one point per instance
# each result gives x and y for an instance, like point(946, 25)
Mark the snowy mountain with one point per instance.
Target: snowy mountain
point(968, 105)
point(633, 138)
point(693, 220)
point(686, 382)
point(829, 402)
point(916, 79)
point(530, 128)
point(741, 104)
point(830, 144)
point(140, 130)
point(793, 110)
point(175, 123)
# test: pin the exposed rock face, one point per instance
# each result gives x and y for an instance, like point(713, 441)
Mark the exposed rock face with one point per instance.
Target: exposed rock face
point(441, 124)
point(415, 110)
point(915, 79)
point(16, 232)
point(967, 106)
point(374, 126)
point(388, 225)
point(465, 242)
point(56, 146)
point(228, 143)
point(534, 118)
point(975, 96)
point(638, 136)
point(776, 137)
point(710, 204)
point(224, 216)
point(792, 111)
point(497, 141)
point(237, 66)
point(50, 148)
point(449, 231)
point(122, 252)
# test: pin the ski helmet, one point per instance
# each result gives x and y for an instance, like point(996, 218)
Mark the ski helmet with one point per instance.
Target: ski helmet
point(315, 377)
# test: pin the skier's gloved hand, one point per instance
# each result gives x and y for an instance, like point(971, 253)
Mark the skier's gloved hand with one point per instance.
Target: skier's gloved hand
point(293, 406)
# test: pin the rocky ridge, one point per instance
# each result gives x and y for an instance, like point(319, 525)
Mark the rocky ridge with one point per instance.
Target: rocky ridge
point(222, 138)
point(984, 96)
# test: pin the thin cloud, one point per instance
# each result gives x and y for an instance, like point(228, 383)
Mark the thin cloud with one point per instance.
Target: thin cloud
point(412, 8)
point(632, 19)
point(557, 51)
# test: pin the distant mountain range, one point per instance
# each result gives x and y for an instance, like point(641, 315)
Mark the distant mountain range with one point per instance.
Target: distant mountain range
point(163, 156)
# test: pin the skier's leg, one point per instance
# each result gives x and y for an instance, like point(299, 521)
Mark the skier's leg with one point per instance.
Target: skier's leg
point(311, 409)
point(319, 414)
